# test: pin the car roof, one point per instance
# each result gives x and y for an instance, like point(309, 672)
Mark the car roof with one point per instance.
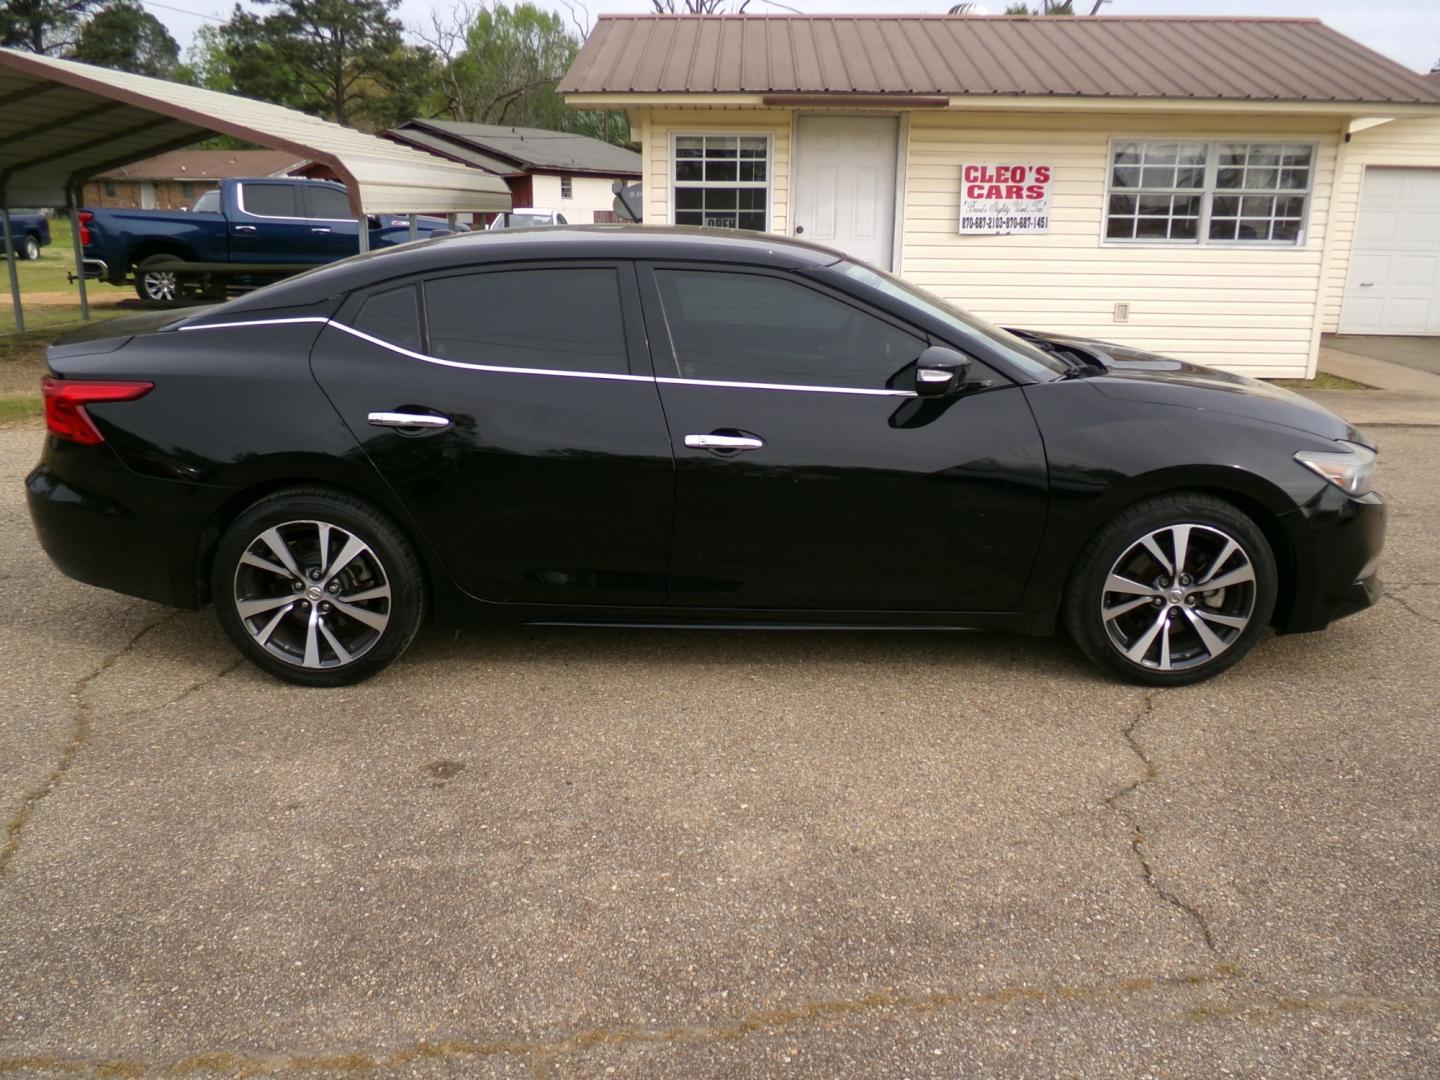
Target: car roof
point(550, 242)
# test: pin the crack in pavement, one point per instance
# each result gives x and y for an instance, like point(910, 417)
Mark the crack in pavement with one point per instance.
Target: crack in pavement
point(1413, 611)
point(250, 1064)
point(1137, 834)
point(79, 736)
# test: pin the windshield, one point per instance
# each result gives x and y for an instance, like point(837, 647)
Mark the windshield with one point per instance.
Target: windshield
point(965, 326)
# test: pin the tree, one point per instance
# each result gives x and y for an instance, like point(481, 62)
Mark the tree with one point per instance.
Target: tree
point(345, 60)
point(1047, 7)
point(126, 37)
point(700, 7)
point(499, 65)
point(42, 26)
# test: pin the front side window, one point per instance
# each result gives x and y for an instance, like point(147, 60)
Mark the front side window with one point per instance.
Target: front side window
point(565, 319)
point(722, 181)
point(270, 200)
point(1209, 192)
point(741, 327)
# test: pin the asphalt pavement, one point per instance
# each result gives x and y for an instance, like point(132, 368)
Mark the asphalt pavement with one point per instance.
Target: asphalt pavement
point(581, 853)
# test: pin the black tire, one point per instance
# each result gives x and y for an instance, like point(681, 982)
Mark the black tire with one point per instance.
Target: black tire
point(1109, 618)
point(30, 248)
point(161, 288)
point(330, 634)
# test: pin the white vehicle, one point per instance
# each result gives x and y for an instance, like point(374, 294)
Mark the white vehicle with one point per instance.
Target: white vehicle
point(527, 217)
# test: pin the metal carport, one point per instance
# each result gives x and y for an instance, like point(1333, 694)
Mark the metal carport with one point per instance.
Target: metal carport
point(62, 122)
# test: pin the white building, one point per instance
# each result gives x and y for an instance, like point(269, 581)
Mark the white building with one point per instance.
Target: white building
point(1217, 189)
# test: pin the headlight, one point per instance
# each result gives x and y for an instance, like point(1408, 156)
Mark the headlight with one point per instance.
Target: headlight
point(1352, 470)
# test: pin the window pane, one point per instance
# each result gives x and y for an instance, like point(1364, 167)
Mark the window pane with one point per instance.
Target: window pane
point(1186, 228)
point(1222, 228)
point(270, 200)
point(392, 316)
point(328, 202)
point(689, 146)
point(689, 170)
point(1120, 228)
point(1254, 229)
point(1286, 230)
point(1122, 204)
point(1261, 179)
point(1257, 206)
point(1127, 153)
point(1229, 178)
point(722, 171)
point(1125, 176)
point(1155, 204)
point(751, 328)
point(1190, 177)
point(1160, 153)
point(1295, 178)
point(1151, 228)
point(1225, 206)
point(562, 319)
point(1157, 178)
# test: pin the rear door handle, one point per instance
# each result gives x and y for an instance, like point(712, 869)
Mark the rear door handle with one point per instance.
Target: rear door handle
point(426, 421)
point(244, 228)
point(320, 230)
point(716, 441)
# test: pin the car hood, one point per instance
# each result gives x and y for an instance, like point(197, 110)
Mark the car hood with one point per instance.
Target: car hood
point(1131, 374)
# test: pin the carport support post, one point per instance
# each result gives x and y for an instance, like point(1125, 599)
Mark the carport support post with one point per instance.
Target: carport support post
point(364, 222)
point(14, 274)
point(79, 259)
point(414, 227)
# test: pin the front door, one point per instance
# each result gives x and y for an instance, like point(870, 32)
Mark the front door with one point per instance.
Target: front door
point(808, 477)
point(519, 424)
point(269, 224)
point(845, 187)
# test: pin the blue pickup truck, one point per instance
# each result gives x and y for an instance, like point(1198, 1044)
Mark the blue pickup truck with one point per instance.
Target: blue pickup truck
point(29, 231)
point(247, 233)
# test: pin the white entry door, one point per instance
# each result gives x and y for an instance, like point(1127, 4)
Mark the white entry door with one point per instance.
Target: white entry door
point(1394, 281)
point(845, 184)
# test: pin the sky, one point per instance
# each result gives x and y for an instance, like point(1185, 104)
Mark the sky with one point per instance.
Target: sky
point(1404, 30)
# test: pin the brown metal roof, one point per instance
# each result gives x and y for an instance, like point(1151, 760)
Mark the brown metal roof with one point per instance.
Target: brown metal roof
point(1256, 59)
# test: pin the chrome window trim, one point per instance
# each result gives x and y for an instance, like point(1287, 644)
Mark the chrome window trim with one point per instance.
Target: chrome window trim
point(556, 373)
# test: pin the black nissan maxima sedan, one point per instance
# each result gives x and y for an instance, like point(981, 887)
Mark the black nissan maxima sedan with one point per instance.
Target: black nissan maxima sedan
point(640, 426)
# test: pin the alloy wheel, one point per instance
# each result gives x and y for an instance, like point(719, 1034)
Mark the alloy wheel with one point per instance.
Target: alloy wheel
point(312, 594)
point(160, 285)
point(32, 248)
point(1178, 597)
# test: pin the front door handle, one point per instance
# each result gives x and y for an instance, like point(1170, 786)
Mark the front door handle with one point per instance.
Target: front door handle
point(717, 441)
point(425, 421)
point(244, 228)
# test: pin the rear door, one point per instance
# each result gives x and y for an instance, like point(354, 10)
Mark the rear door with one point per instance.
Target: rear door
point(847, 492)
point(334, 232)
point(268, 224)
point(545, 474)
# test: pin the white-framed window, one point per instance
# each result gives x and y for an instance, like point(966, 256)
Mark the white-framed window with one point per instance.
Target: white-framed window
point(721, 180)
point(567, 187)
point(1179, 191)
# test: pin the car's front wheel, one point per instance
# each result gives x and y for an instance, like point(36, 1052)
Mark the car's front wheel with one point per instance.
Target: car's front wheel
point(1173, 590)
point(318, 588)
point(31, 249)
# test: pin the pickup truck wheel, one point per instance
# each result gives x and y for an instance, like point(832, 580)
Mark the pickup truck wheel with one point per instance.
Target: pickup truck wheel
point(31, 248)
point(159, 288)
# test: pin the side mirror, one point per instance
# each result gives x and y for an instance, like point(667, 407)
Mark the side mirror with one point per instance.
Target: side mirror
point(940, 371)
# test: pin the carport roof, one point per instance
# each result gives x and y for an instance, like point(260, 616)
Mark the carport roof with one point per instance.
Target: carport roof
point(62, 122)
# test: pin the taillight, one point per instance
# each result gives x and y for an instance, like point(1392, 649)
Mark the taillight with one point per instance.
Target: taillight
point(65, 401)
point(85, 218)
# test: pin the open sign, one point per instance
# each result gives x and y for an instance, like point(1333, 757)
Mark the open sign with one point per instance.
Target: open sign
point(1005, 197)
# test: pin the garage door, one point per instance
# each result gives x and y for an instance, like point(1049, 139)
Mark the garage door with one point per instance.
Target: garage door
point(1394, 282)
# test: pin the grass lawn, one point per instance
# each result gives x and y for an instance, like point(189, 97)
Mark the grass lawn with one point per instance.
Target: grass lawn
point(52, 307)
point(1323, 381)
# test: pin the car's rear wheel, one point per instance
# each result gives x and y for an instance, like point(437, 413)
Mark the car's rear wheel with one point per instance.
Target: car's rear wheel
point(161, 288)
point(318, 588)
point(1173, 590)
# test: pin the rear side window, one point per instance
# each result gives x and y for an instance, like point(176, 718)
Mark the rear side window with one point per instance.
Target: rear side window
point(327, 203)
point(741, 327)
point(563, 319)
point(393, 316)
point(209, 203)
point(270, 200)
